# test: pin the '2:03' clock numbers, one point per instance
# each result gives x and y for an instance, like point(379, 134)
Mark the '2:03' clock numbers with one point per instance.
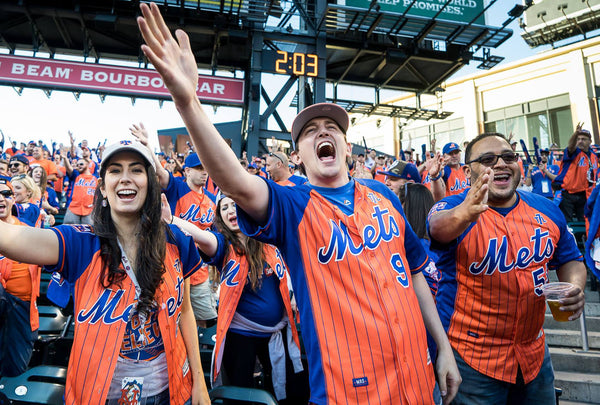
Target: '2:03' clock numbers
point(300, 64)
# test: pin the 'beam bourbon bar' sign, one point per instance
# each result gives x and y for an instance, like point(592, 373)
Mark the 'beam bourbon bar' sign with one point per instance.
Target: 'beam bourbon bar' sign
point(107, 79)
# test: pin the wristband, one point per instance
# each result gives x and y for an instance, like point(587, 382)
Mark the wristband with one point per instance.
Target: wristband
point(436, 177)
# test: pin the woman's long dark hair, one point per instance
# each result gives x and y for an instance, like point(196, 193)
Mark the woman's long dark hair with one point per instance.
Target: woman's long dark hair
point(43, 179)
point(252, 249)
point(151, 243)
point(418, 200)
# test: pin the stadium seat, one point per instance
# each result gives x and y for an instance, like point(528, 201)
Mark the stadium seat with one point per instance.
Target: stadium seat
point(53, 323)
point(38, 385)
point(249, 395)
point(206, 340)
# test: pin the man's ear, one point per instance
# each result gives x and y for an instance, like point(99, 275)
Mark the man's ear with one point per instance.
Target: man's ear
point(296, 157)
point(467, 171)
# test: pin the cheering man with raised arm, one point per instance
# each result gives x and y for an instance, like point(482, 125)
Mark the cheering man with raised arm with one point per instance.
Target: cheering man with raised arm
point(354, 262)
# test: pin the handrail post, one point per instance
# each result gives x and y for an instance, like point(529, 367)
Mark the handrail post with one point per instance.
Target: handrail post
point(584, 336)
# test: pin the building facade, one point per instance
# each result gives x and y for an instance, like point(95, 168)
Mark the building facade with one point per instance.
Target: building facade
point(542, 96)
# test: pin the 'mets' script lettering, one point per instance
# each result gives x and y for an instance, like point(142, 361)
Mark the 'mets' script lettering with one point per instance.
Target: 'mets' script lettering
point(341, 242)
point(496, 255)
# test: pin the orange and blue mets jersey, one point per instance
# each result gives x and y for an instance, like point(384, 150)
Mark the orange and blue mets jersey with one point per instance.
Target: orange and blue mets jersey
point(101, 314)
point(194, 207)
point(455, 180)
point(233, 269)
point(489, 297)
point(80, 198)
point(352, 275)
point(578, 171)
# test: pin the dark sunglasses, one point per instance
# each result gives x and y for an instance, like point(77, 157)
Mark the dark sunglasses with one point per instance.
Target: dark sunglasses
point(490, 160)
point(277, 157)
point(14, 164)
point(6, 193)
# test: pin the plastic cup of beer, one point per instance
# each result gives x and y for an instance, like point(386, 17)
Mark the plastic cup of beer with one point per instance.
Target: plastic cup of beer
point(553, 293)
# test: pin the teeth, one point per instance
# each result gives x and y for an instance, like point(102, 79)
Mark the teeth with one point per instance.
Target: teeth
point(325, 149)
point(126, 192)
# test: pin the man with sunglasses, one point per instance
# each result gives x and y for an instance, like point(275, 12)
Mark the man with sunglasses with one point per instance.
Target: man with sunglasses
point(18, 164)
point(19, 288)
point(278, 169)
point(496, 245)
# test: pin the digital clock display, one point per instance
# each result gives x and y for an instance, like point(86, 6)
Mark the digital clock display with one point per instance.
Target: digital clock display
point(288, 63)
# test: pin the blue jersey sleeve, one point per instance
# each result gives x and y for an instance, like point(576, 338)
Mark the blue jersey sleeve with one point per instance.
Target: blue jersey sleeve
point(285, 210)
point(77, 246)
point(446, 173)
point(219, 256)
point(52, 198)
point(28, 215)
point(443, 205)
point(188, 253)
point(174, 191)
point(74, 174)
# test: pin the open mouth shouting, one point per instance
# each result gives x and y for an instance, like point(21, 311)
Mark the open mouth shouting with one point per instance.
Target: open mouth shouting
point(326, 151)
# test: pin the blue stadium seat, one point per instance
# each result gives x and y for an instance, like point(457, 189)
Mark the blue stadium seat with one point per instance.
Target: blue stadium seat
point(38, 385)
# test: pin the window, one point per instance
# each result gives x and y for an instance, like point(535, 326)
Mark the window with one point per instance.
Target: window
point(549, 120)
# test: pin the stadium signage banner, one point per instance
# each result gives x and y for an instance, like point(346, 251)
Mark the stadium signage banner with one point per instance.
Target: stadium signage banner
point(463, 11)
point(107, 79)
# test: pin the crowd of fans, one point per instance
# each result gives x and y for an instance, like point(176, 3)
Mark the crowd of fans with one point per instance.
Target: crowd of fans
point(341, 278)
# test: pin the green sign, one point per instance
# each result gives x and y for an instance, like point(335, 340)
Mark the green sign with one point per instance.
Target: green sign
point(457, 10)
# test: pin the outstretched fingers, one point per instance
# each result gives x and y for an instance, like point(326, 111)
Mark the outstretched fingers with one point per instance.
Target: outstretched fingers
point(184, 41)
point(149, 29)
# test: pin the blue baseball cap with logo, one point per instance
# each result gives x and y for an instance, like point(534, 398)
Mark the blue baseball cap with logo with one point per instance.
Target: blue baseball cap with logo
point(450, 147)
point(192, 161)
point(403, 170)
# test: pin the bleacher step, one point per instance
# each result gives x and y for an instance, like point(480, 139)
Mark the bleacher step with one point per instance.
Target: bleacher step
point(575, 360)
point(592, 323)
point(571, 338)
point(578, 386)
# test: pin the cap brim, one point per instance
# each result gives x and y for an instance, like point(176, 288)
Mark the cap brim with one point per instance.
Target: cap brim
point(113, 149)
point(388, 174)
point(329, 110)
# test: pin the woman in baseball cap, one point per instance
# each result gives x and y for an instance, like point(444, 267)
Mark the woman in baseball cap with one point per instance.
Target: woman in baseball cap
point(135, 332)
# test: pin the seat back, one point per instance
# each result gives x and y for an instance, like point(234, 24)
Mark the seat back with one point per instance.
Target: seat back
point(38, 385)
point(52, 321)
point(249, 395)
